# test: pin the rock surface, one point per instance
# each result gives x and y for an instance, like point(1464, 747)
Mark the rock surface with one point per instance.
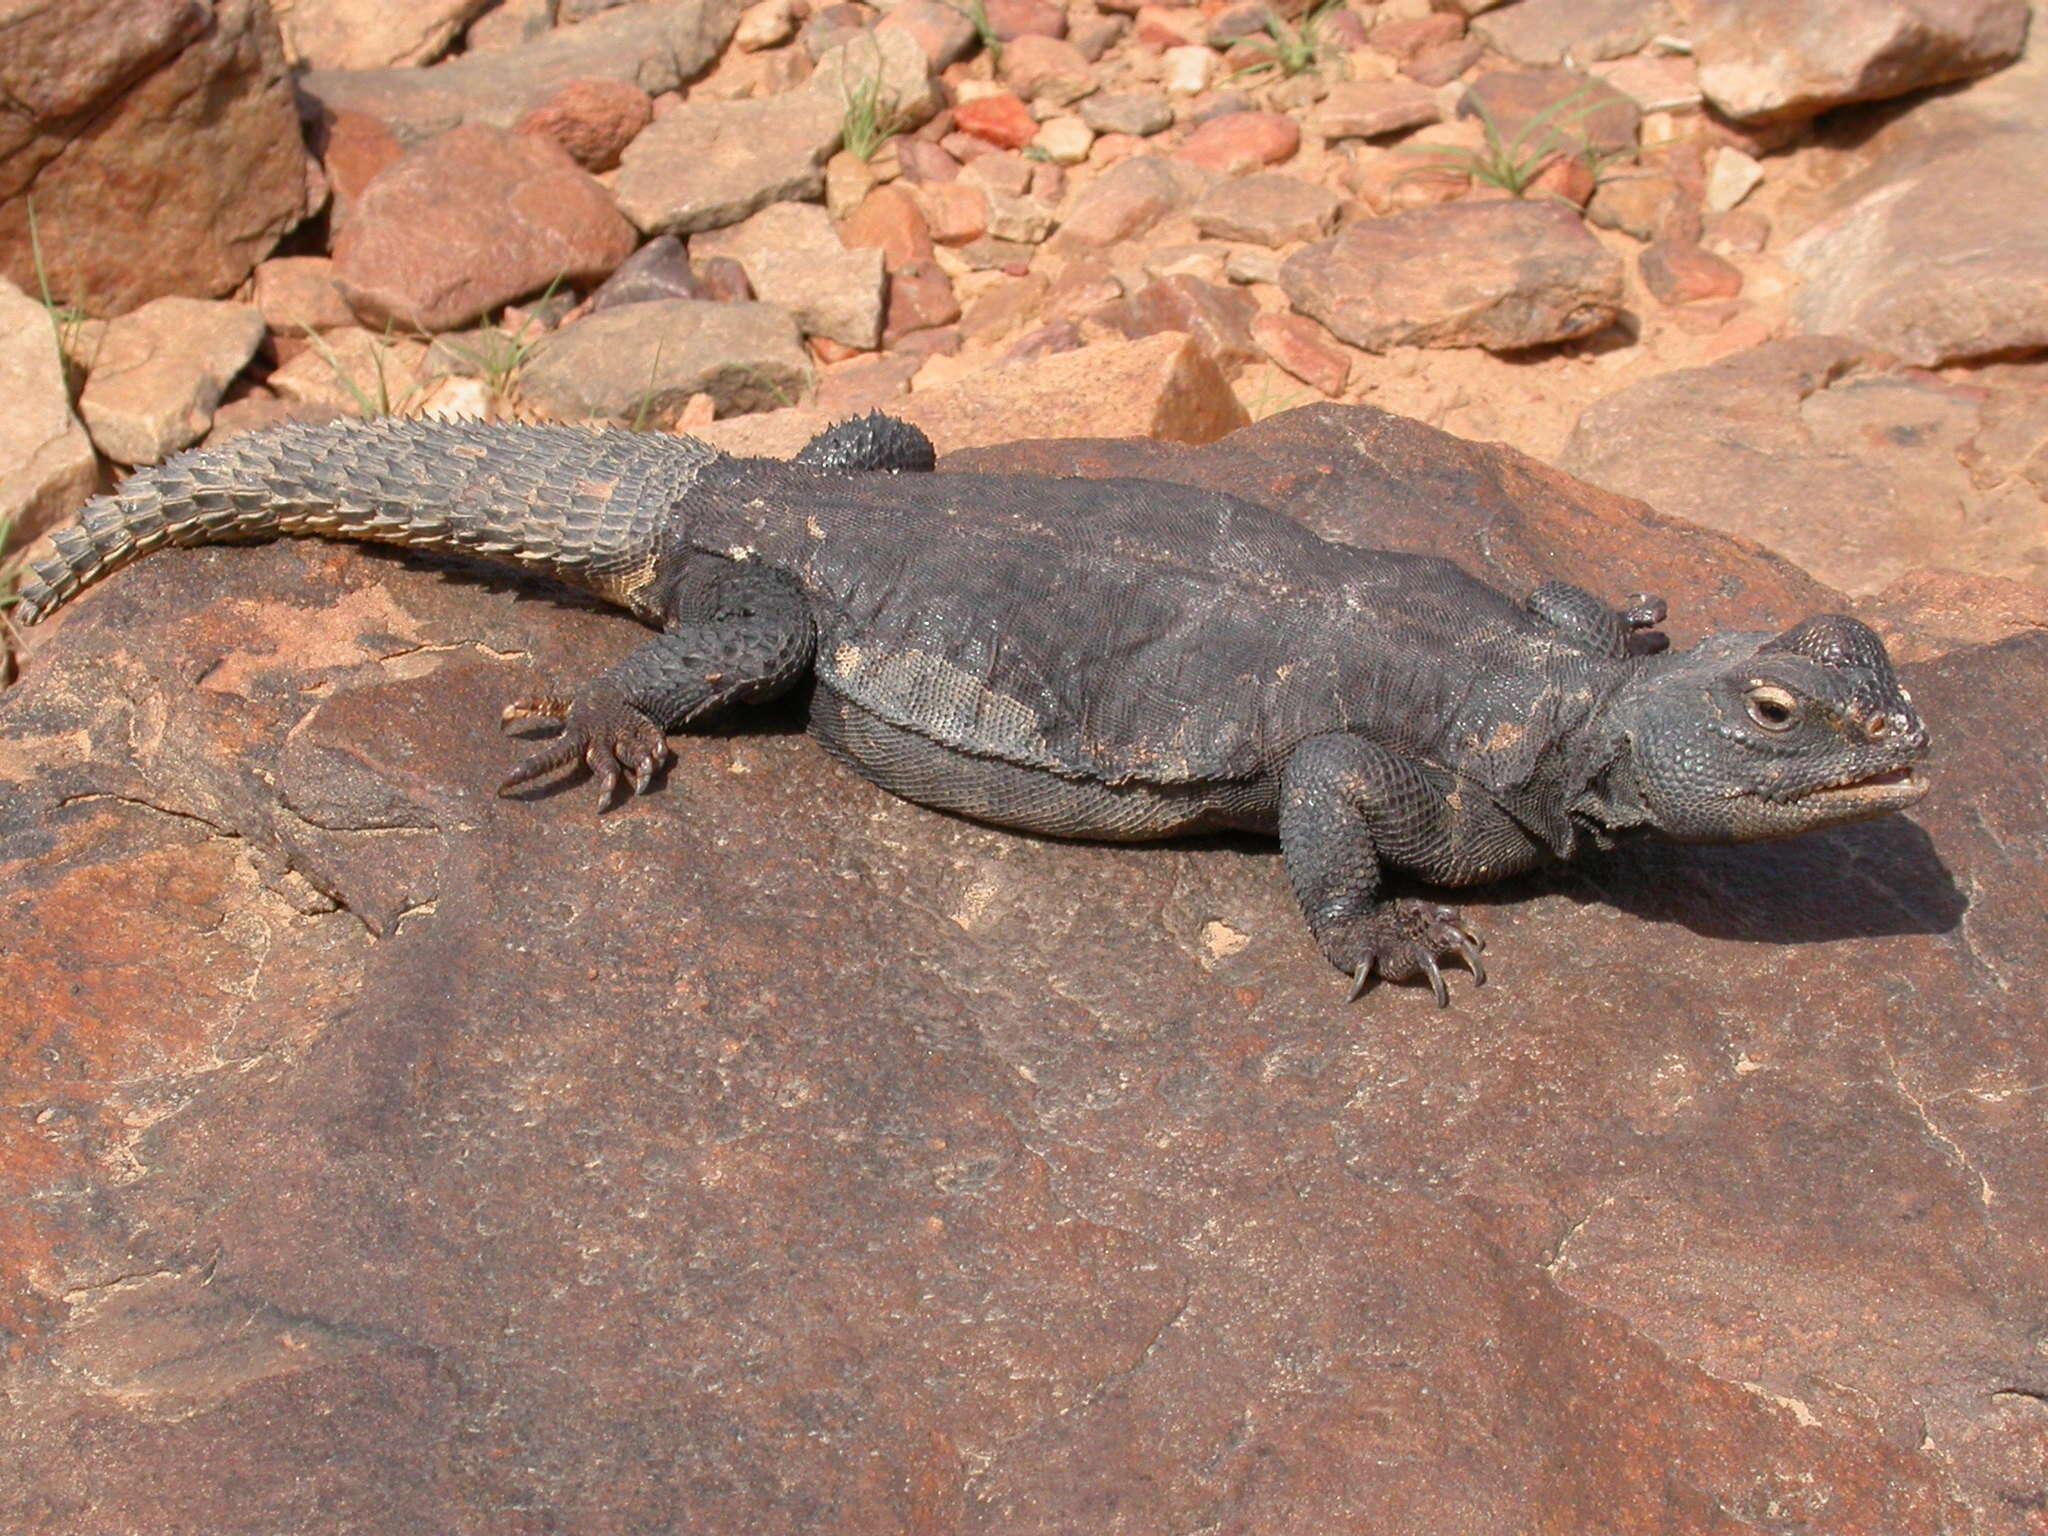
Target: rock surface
point(1765, 59)
point(158, 372)
point(1503, 275)
point(160, 139)
point(1861, 477)
point(884, 1172)
point(641, 363)
point(47, 466)
point(708, 164)
point(372, 34)
point(471, 221)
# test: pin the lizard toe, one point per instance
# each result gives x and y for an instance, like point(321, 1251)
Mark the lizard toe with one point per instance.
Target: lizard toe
point(1411, 940)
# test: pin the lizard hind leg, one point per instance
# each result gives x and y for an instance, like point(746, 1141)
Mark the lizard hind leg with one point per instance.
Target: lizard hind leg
point(737, 633)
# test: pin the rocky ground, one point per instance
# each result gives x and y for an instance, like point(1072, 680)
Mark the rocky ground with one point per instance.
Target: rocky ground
point(790, 1158)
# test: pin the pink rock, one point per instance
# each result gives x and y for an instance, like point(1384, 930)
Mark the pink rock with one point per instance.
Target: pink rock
point(297, 294)
point(1001, 120)
point(1012, 19)
point(1555, 105)
point(1040, 68)
point(1405, 37)
point(921, 161)
point(920, 297)
point(1269, 209)
point(470, 221)
point(1680, 272)
point(1240, 142)
point(1297, 344)
point(889, 220)
point(1128, 199)
point(353, 148)
point(1443, 63)
point(1219, 319)
point(1368, 109)
point(594, 120)
point(1567, 177)
point(955, 212)
point(941, 30)
point(1160, 27)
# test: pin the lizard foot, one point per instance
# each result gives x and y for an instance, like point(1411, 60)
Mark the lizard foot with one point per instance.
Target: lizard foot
point(604, 732)
point(1405, 939)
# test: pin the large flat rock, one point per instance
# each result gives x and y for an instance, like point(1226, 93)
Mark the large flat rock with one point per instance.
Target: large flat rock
point(775, 1155)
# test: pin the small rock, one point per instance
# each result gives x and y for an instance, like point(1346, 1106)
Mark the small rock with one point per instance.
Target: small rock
point(1001, 120)
point(891, 66)
point(660, 269)
point(470, 221)
point(1566, 177)
point(1219, 319)
point(298, 294)
point(1128, 199)
point(890, 220)
point(837, 297)
point(355, 372)
point(1205, 260)
point(1018, 219)
point(920, 298)
point(921, 162)
point(942, 32)
point(1554, 106)
point(458, 399)
point(1656, 82)
point(1741, 230)
point(1267, 209)
point(1161, 387)
point(765, 24)
point(353, 149)
point(479, 354)
point(723, 280)
point(1046, 69)
point(1004, 173)
point(1370, 109)
point(1501, 275)
point(1405, 37)
point(158, 373)
point(834, 26)
point(47, 465)
point(1644, 204)
point(1766, 59)
point(1188, 71)
point(1732, 177)
point(1550, 31)
point(642, 364)
point(848, 179)
point(1169, 27)
point(1444, 62)
point(1304, 349)
point(706, 165)
point(594, 120)
point(1241, 142)
point(1138, 113)
point(1680, 272)
point(1014, 20)
point(1388, 183)
point(853, 389)
point(1058, 336)
point(804, 228)
point(1004, 307)
point(372, 34)
point(956, 212)
point(1064, 140)
point(1246, 265)
point(1095, 35)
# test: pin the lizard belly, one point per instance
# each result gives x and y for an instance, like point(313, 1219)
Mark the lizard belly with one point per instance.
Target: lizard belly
point(1032, 799)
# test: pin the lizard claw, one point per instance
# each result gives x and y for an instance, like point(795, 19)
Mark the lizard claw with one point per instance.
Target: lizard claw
point(1405, 940)
point(608, 735)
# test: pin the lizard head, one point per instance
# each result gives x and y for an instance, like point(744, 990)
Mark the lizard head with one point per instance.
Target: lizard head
point(1751, 736)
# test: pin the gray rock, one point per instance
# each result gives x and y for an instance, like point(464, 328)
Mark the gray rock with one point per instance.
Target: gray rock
point(837, 296)
point(47, 466)
point(656, 46)
point(801, 228)
point(660, 269)
point(159, 372)
point(887, 62)
point(642, 363)
point(1500, 275)
point(708, 164)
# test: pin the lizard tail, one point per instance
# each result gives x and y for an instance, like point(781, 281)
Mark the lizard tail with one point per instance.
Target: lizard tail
point(573, 502)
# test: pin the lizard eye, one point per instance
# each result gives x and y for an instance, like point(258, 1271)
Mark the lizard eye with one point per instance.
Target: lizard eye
point(1771, 707)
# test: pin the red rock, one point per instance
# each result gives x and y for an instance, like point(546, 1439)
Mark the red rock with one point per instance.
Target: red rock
point(1405, 37)
point(1268, 209)
point(1159, 26)
point(1550, 31)
point(1387, 182)
point(1368, 109)
point(297, 294)
point(860, 387)
point(1647, 204)
point(922, 161)
point(1128, 199)
point(724, 280)
point(1040, 68)
point(1059, 336)
point(955, 212)
point(1680, 272)
point(470, 221)
point(1742, 230)
point(921, 297)
point(353, 148)
point(890, 220)
point(1567, 177)
point(594, 120)
point(1443, 63)
point(161, 138)
point(1240, 142)
point(1012, 19)
point(1305, 350)
point(1554, 106)
point(1219, 319)
point(1001, 120)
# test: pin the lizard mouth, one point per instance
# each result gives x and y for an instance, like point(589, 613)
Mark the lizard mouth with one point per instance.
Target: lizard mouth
point(1894, 789)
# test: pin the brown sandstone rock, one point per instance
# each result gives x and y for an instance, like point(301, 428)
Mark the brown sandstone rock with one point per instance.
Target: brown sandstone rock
point(353, 372)
point(158, 372)
point(1859, 477)
point(161, 142)
point(1766, 59)
point(709, 164)
point(594, 120)
point(47, 465)
point(470, 221)
point(1555, 106)
point(371, 34)
point(1128, 199)
point(1369, 109)
point(1549, 31)
point(962, 1182)
point(1269, 210)
point(1219, 319)
point(1239, 143)
point(1499, 274)
point(1001, 120)
point(1304, 349)
point(639, 364)
point(1682, 272)
point(1046, 69)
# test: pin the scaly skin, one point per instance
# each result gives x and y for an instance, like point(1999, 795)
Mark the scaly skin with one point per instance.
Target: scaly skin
point(1106, 659)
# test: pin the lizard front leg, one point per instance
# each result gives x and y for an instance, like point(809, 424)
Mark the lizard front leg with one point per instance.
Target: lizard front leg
point(735, 633)
point(1347, 808)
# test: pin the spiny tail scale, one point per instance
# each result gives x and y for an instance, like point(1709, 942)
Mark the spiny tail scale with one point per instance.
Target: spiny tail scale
point(584, 505)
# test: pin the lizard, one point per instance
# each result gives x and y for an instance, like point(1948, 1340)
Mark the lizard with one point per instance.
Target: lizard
point(1113, 659)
